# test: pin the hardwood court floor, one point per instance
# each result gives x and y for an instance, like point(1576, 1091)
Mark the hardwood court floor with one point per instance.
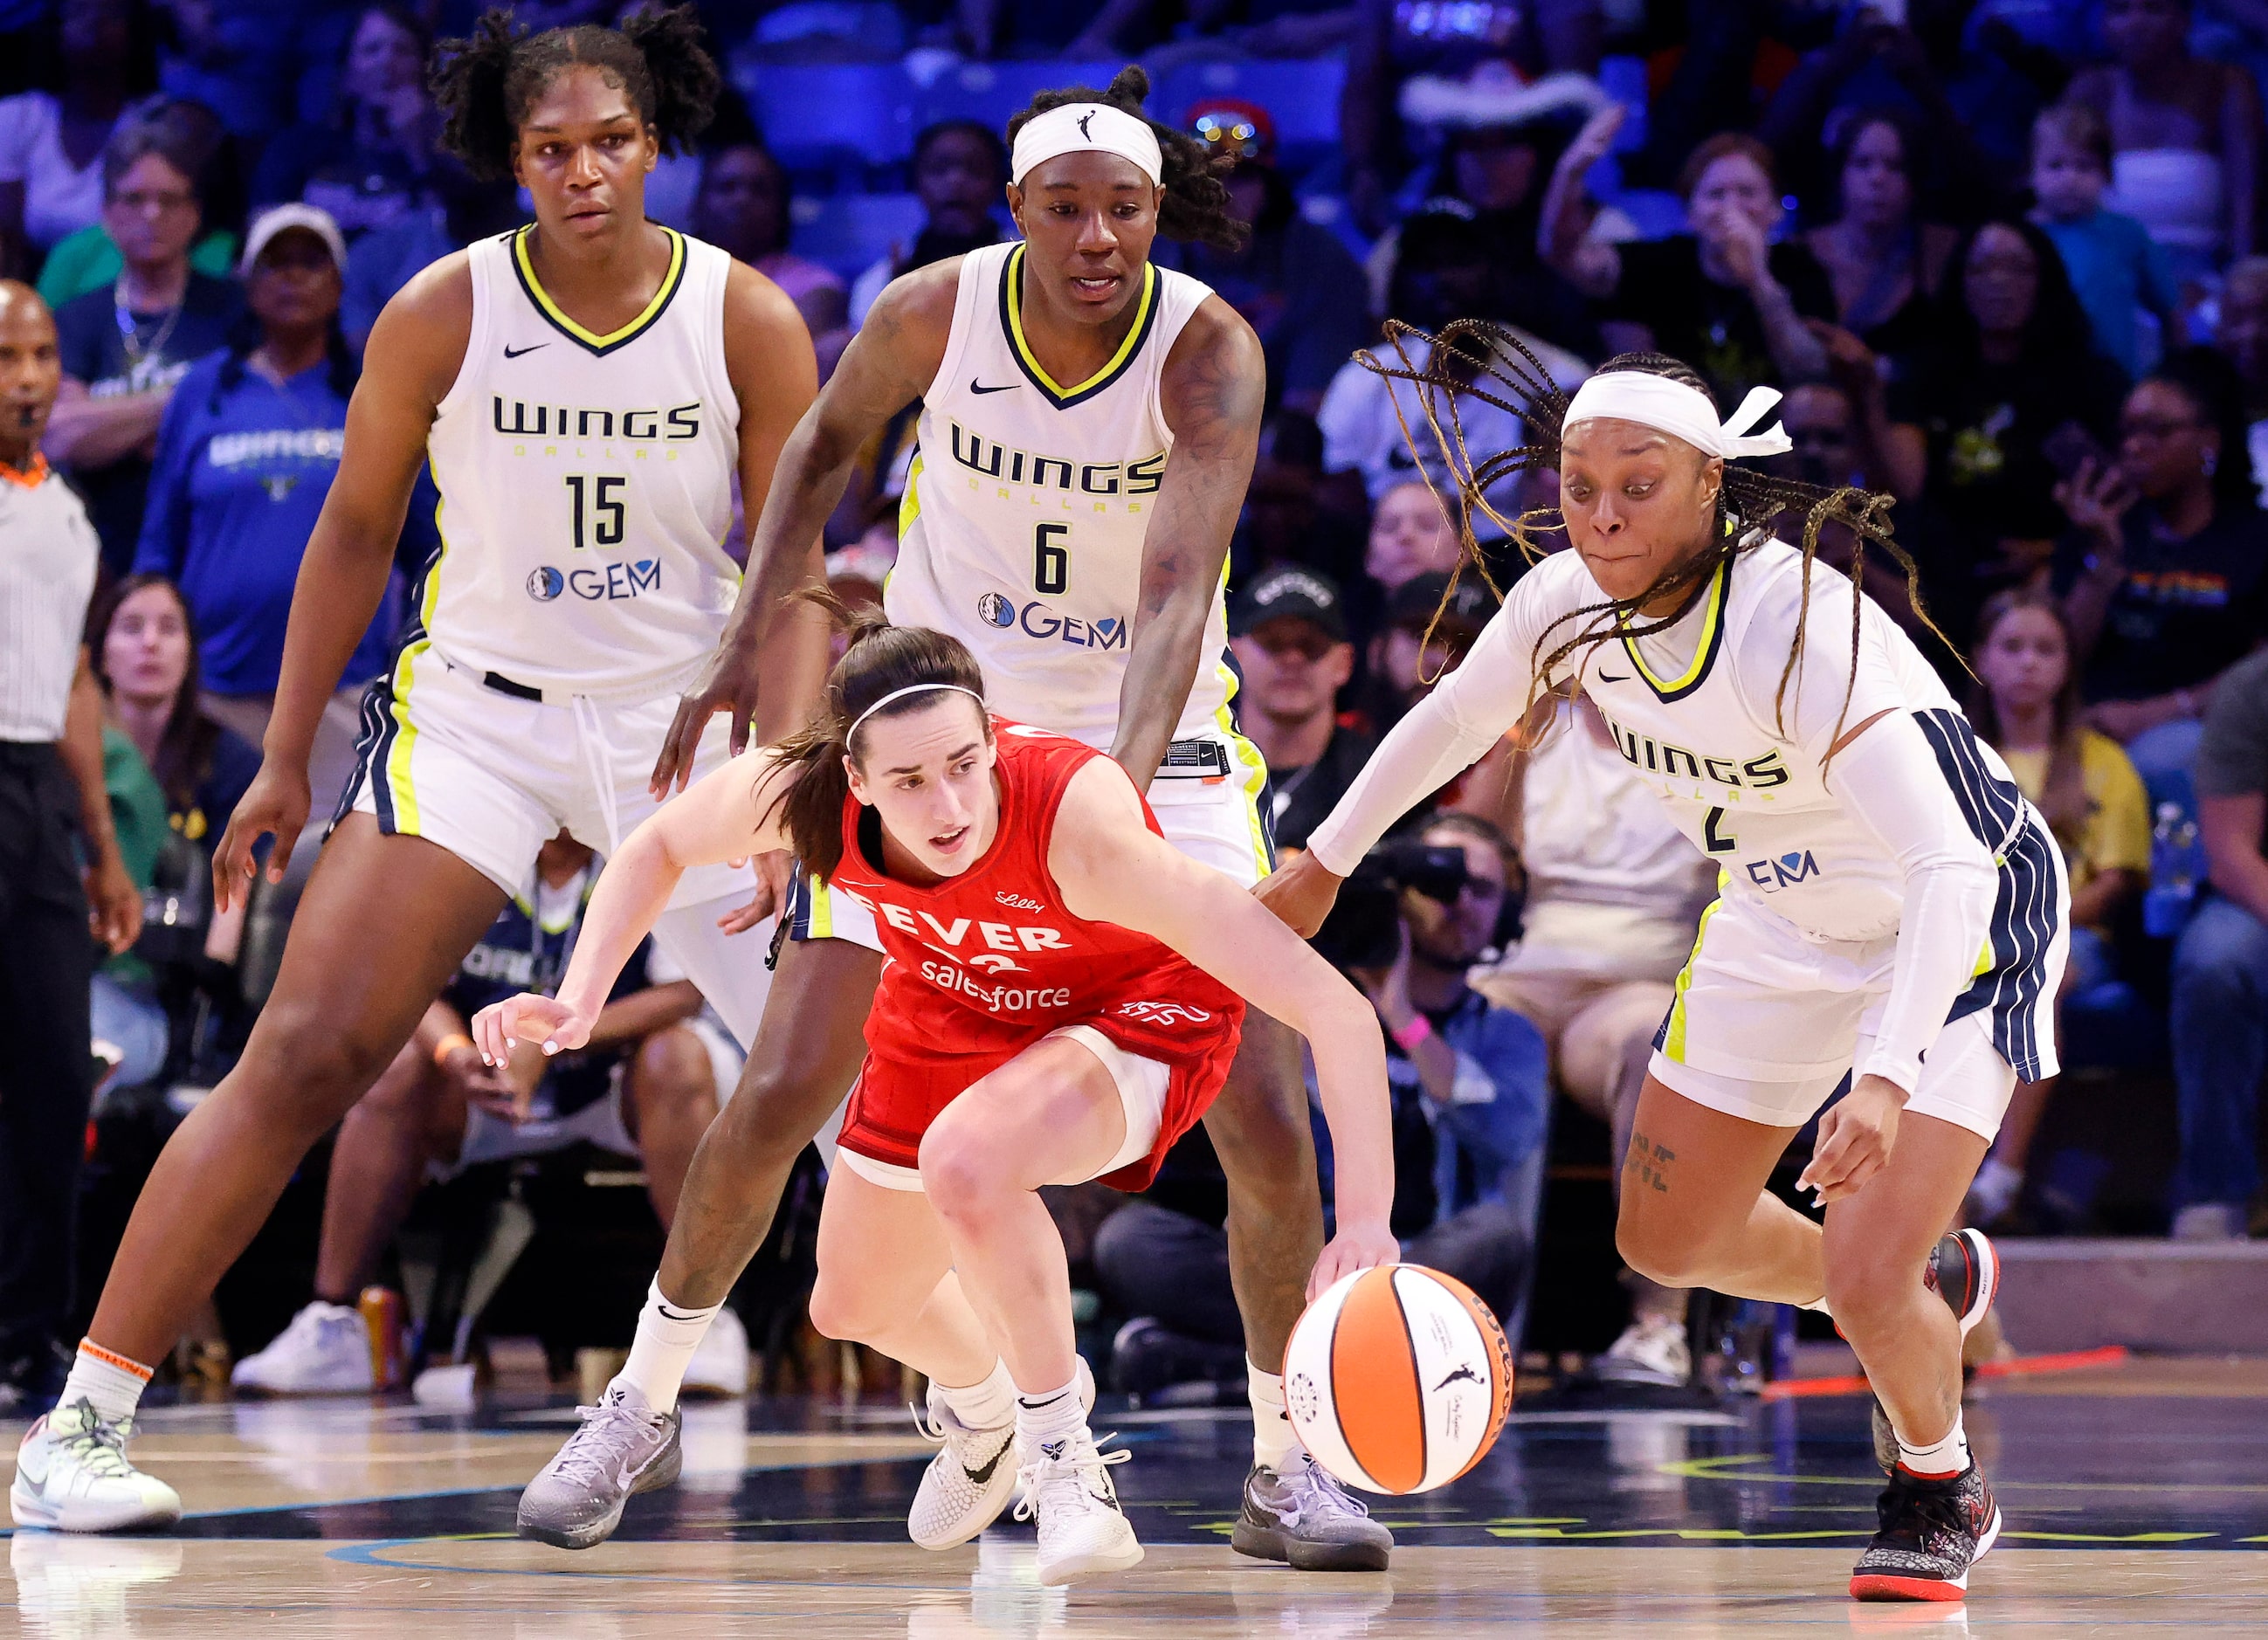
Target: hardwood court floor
point(2136, 1499)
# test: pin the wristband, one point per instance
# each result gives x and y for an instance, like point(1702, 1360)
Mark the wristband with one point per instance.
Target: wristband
point(450, 1044)
point(1408, 1036)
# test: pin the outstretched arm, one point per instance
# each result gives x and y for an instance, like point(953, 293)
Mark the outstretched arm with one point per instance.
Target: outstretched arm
point(729, 814)
point(768, 642)
point(1214, 383)
point(1111, 868)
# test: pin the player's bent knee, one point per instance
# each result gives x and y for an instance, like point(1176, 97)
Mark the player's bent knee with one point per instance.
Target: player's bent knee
point(318, 1070)
point(963, 1172)
point(1658, 1249)
point(839, 1311)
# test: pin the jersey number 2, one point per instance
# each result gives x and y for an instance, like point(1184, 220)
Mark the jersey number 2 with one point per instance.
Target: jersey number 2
point(602, 508)
point(1050, 559)
point(1716, 841)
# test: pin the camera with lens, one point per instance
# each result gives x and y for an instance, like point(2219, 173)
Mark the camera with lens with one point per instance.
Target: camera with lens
point(1364, 930)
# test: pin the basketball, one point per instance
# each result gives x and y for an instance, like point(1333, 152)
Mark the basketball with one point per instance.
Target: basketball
point(1397, 1378)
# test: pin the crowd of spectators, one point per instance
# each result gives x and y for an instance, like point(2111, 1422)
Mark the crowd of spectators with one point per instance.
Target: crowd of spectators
point(1998, 257)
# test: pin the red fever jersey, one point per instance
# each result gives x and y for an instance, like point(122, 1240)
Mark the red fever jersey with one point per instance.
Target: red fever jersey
point(982, 965)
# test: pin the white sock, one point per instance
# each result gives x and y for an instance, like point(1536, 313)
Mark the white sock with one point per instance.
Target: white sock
point(1046, 1418)
point(1273, 1438)
point(668, 1336)
point(108, 1380)
point(1941, 1460)
point(988, 1404)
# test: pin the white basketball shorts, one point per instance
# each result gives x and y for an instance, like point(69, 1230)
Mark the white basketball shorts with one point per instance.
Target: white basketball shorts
point(489, 769)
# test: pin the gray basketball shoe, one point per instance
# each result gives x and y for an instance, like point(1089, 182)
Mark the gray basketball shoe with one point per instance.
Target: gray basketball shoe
point(623, 1448)
point(1304, 1517)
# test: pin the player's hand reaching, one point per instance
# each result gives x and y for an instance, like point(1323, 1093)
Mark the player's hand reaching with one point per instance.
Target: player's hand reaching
point(1856, 1136)
point(1300, 893)
point(1355, 1247)
point(276, 802)
point(774, 869)
point(726, 684)
point(528, 1018)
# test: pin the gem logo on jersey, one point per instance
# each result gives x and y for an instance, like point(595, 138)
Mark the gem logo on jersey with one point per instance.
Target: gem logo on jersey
point(1784, 871)
point(1035, 619)
point(593, 585)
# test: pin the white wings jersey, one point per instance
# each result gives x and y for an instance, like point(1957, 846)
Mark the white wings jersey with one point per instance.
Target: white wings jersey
point(586, 485)
point(1694, 711)
point(1021, 529)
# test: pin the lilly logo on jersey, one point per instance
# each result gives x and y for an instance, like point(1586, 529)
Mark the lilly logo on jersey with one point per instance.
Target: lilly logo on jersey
point(611, 585)
point(1781, 872)
point(1035, 619)
point(1164, 1012)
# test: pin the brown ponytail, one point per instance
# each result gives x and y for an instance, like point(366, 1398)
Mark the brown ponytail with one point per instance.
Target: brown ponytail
point(880, 661)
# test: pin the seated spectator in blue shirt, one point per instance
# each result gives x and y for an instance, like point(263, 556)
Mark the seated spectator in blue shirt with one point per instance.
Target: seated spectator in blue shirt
point(2221, 970)
point(245, 459)
point(2115, 268)
point(646, 1085)
point(125, 346)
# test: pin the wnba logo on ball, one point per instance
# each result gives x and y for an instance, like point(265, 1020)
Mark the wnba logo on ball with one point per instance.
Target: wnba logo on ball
point(545, 583)
point(996, 610)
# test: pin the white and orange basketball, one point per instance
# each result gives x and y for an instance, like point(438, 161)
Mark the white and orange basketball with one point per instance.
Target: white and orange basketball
point(1397, 1378)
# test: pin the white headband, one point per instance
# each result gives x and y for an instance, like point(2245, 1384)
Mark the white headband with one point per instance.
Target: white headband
point(1682, 412)
point(1079, 127)
point(899, 694)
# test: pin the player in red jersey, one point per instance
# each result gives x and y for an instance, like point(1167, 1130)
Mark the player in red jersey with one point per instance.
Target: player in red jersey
point(1060, 997)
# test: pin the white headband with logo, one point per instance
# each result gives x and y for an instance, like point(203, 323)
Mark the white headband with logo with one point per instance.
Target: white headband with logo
point(899, 694)
point(1080, 128)
point(1682, 412)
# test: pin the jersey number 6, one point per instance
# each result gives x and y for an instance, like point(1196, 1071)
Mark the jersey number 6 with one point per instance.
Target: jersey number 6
point(605, 510)
point(1050, 559)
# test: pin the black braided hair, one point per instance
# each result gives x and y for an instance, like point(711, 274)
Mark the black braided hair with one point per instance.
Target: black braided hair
point(484, 83)
point(1475, 359)
point(1196, 206)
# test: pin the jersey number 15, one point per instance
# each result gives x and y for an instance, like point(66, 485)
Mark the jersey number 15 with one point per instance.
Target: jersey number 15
point(601, 508)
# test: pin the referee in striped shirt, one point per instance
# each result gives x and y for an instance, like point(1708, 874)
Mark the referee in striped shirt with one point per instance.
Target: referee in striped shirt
point(60, 870)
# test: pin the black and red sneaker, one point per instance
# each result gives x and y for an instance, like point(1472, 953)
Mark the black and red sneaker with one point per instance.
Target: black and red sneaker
point(1932, 1532)
point(1965, 1272)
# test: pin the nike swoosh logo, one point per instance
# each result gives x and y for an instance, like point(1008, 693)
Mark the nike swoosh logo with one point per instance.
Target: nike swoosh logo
point(1614, 677)
point(983, 1477)
point(666, 1310)
point(976, 386)
point(513, 353)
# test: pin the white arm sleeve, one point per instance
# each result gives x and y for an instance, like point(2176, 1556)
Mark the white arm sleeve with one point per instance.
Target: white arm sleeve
point(1890, 780)
point(1442, 736)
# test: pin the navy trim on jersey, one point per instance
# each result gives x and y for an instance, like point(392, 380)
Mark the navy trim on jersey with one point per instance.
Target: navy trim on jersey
point(370, 730)
point(597, 346)
point(1149, 300)
point(1716, 600)
point(2026, 909)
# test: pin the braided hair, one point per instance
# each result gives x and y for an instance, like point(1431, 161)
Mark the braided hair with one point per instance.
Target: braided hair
point(484, 84)
point(1196, 206)
point(1477, 359)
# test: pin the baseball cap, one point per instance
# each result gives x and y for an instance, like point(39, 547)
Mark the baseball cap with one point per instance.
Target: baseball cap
point(1289, 589)
point(1415, 600)
point(280, 219)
